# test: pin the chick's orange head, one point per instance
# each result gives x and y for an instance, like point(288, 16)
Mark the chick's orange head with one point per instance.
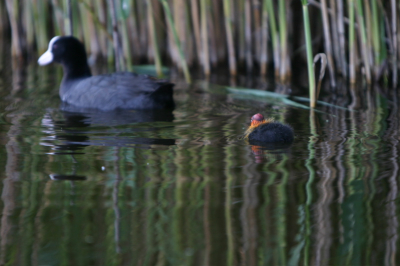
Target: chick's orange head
point(257, 119)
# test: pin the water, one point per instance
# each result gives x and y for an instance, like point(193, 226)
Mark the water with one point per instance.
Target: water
point(182, 188)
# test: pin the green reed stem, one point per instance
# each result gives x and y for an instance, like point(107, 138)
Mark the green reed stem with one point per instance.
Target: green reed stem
point(376, 42)
point(274, 36)
point(177, 42)
point(307, 30)
point(364, 43)
point(352, 50)
point(284, 69)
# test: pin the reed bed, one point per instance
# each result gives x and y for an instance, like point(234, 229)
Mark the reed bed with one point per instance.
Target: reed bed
point(358, 37)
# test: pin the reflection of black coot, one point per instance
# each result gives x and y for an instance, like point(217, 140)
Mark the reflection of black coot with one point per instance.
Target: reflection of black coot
point(122, 90)
point(72, 139)
point(76, 130)
point(267, 132)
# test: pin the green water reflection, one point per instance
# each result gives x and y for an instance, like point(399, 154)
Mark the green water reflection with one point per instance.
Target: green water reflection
point(181, 188)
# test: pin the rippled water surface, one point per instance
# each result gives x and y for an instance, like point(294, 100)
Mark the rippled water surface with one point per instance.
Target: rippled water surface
point(181, 188)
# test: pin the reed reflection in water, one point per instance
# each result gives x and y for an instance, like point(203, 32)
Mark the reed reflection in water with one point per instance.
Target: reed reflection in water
point(185, 190)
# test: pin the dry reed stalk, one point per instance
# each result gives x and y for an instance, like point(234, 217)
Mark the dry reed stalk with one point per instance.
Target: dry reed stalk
point(40, 23)
point(264, 40)
point(94, 39)
point(229, 37)
point(101, 21)
point(70, 30)
point(196, 27)
point(376, 37)
point(247, 30)
point(204, 36)
point(84, 31)
point(394, 43)
point(3, 21)
point(13, 10)
point(176, 40)
point(153, 39)
point(364, 43)
point(335, 35)
point(190, 53)
point(126, 46)
point(220, 48)
point(240, 29)
point(368, 22)
point(119, 60)
point(58, 16)
point(327, 42)
point(142, 28)
point(256, 6)
point(134, 32)
point(324, 61)
point(178, 9)
point(212, 36)
point(29, 27)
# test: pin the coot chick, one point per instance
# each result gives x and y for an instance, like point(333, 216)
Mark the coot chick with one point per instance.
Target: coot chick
point(121, 90)
point(268, 131)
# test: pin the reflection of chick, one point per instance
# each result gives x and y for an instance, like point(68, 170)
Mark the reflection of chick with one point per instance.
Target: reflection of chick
point(268, 131)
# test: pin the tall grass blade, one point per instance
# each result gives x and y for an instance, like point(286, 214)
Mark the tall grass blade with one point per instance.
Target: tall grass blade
point(311, 77)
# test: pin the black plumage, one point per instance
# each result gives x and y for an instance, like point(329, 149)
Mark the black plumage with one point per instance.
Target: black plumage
point(121, 90)
point(272, 132)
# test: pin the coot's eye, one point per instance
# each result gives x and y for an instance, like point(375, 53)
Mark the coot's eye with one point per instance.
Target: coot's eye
point(55, 46)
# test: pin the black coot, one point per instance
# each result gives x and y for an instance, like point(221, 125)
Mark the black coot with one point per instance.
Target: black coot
point(268, 131)
point(122, 90)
